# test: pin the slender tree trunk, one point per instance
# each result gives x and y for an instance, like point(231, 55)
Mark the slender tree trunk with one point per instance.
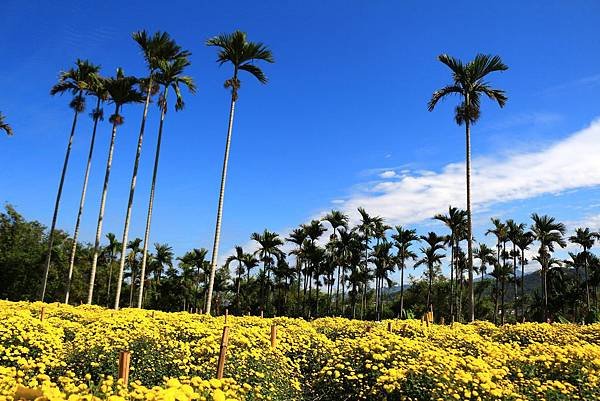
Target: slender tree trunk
point(151, 201)
point(522, 283)
point(237, 291)
point(469, 217)
point(110, 266)
point(402, 288)
point(515, 279)
point(587, 282)
point(215, 252)
point(452, 260)
point(81, 204)
point(337, 290)
point(132, 193)
point(111, 149)
point(429, 288)
point(502, 318)
point(57, 204)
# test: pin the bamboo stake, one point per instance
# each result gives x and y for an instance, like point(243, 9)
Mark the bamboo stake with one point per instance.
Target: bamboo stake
point(124, 360)
point(226, 314)
point(389, 327)
point(42, 313)
point(223, 352)
point(273, 335)
point(261, 313)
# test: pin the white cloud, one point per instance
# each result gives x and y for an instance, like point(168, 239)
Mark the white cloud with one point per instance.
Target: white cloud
point(568, 164)
point(388, 174)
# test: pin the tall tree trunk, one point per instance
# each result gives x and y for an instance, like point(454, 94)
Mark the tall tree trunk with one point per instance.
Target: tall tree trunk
point(337, 290)
point(429, 289)
point(151, 201)
point(452, 260)
point(111, 149)
point(110, 266)
point(215, 252)
point(522, 283)
point(237, 291)
point(81, 203)
point(515, 279)
point(402, 288)
point(469, 217)
point(502, 303)
point(57, 204)
point(587, 282)
point(132, 193)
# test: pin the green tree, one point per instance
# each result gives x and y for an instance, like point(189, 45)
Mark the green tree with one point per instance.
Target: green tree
point(403, 240)
point(269, 244)
point(431, 258)
point(121, 90)
point(235, 49)
point(468, 81)
point(549, 233)
point(75, 81)
point(170, 75)
point(158, 48)
point(585, 238)
point(96, 89)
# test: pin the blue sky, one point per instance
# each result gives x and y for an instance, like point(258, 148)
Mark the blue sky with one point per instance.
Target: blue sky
point(343, 121)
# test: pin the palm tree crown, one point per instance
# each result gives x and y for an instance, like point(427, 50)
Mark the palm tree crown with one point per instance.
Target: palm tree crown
point(4, 126)
point(237, 50)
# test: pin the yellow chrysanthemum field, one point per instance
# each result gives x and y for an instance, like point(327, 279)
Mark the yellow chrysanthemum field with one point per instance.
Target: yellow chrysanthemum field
point(72, 354)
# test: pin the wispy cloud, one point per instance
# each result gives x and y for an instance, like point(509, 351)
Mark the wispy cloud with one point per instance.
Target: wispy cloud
point(589, 81)
point(569, 164)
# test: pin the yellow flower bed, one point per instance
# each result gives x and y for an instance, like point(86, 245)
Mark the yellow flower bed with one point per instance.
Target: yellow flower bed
point(72, 354)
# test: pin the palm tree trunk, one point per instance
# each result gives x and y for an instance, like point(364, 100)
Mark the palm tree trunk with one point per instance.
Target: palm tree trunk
point(429, 288)
point(452, 252)
point(337, 290)
point(81, 204)
point(151, 201)
point(522, 283)
point(131, 194)
point(502, 302)
point(215, 252)
point(515, 279)
point(237, 292)
point(587, 283)
point(110, 266)
point(402, 289)
point(57, 204)
point(111, 149)
point(469, 217)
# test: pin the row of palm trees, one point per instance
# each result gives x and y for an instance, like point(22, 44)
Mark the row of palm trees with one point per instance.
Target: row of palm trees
point(166, 63)
point(357, 262)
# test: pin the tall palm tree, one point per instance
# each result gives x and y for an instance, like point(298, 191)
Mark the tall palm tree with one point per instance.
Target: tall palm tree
point(163, 257)
point(431, 259)
point(384, 265)
point(133, 263)
point(169, 75)
point(157, 49)
point(403, 239)
point(549, 233)
point(97, 90)
point(235, 49)
point(75, 81)
point(456, 221)
point(112, 249)
point(585, 238)
point(468, 81)
point(121, 90)
point(4, 126)
point(487, 257)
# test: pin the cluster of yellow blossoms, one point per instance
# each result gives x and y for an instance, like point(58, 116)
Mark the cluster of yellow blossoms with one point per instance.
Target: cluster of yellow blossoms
point(72, 355)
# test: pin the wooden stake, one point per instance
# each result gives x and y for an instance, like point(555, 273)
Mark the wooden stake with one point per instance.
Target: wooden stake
point(124, 360)
point(223, 352)
point(226, 314)
point(390, 327)
point(42, 313)
point(273, 335)
point(261, 313)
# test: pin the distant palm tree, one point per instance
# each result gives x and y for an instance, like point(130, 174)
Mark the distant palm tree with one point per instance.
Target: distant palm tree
point(169, 74)
point(468, 81)
point(585, 238)
point(239, 258)
point(121, 90)
point(431, 259)
point(403, 240)
point(163, 257)
point(456, 221)
point(487, 256)
point(384, 265)
point(269, 246)
point(298, 236)
point(523, 242)
point(337, 219)
point(4, 126)
point(549, 233)
point(112, 249)
point(97, 90)
point(75, 81)
point(514, 232)
point(237, 50)
point(157, 49)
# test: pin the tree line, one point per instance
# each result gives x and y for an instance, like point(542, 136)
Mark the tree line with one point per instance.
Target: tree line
point(328, 267)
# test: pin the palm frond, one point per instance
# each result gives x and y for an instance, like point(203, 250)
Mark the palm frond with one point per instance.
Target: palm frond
point(254, 70)
point(442, 93)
